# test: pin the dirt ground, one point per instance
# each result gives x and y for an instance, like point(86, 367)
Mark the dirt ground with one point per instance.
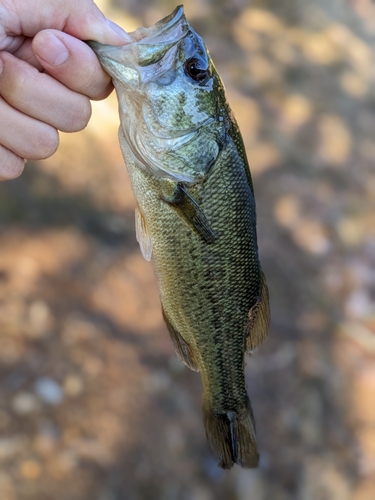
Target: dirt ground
point(94, 404)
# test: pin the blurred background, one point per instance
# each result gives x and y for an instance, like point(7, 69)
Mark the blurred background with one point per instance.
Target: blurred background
point(94, 404)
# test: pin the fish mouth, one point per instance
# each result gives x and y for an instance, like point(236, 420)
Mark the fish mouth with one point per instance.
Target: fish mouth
point(165, 25)
point(155, 54)
point(148, 46)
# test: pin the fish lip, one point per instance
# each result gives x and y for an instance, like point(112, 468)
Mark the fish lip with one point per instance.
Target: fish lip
point(162, 26)
point(159, 32)
point(172, 18)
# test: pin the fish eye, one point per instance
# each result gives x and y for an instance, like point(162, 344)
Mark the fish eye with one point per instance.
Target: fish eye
point(195, 71)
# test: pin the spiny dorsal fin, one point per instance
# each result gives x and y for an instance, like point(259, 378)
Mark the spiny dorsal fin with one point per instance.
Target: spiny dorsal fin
point(182, 348)
point(259, 318)
point(142, 235)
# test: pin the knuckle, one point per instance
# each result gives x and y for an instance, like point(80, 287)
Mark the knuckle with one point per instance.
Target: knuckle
point(11, 165)
point(79, 116)
point(20, 81)
point(90, 82)
point(103, 92)
point(95, 83)
point(45, 144)
point(14, 82)
point(17, 168)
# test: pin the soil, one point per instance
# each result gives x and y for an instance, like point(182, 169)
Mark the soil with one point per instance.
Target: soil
point(94, 404)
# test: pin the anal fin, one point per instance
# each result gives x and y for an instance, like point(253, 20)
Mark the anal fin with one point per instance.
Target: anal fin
point(258, 318)
point(182, 348)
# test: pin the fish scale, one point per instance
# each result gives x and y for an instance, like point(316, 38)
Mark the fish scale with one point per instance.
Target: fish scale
point(207, 311)
point(195, 217)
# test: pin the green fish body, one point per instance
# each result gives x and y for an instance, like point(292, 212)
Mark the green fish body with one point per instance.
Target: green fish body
point(195, 217)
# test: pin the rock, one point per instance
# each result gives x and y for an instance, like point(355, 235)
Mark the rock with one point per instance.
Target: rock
point(30, 469)
point(24, 403)
point(49, 391)
point(73, 385)
point(40, 319)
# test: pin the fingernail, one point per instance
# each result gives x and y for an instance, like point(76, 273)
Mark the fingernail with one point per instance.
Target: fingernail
point(52, 50)
point(119, 31)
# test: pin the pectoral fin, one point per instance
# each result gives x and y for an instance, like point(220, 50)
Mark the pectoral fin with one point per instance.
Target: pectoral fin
point(258, 318)
point(189, 209)
point(142, 235)
point(182, 348)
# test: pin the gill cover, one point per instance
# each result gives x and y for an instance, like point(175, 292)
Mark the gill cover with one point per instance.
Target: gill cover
point(170, 95)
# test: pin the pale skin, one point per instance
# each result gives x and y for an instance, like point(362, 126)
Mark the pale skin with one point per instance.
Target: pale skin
point(48, 75)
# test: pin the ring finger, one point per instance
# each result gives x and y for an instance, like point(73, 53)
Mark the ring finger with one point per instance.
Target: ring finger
point(11, 165)
point(25, 136)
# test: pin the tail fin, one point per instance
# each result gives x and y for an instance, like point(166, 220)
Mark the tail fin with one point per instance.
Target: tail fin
point(231, 436)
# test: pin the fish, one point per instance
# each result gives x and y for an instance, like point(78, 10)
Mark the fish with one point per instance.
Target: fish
point(195, 217)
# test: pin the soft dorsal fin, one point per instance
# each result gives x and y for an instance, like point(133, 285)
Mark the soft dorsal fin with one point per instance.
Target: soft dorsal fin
point(259, 317)
point(189, 209)
point(142, 235)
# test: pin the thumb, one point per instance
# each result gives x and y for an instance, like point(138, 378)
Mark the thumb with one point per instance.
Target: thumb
point(87, 22)
point(95, 26)
point(79, 18)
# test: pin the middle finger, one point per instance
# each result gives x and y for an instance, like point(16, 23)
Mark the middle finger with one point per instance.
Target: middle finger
point(41, 96)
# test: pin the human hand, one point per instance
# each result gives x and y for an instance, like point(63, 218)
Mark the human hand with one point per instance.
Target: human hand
point(48, 75)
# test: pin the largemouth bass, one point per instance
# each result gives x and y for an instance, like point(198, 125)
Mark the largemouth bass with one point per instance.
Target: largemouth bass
point(195, 216)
